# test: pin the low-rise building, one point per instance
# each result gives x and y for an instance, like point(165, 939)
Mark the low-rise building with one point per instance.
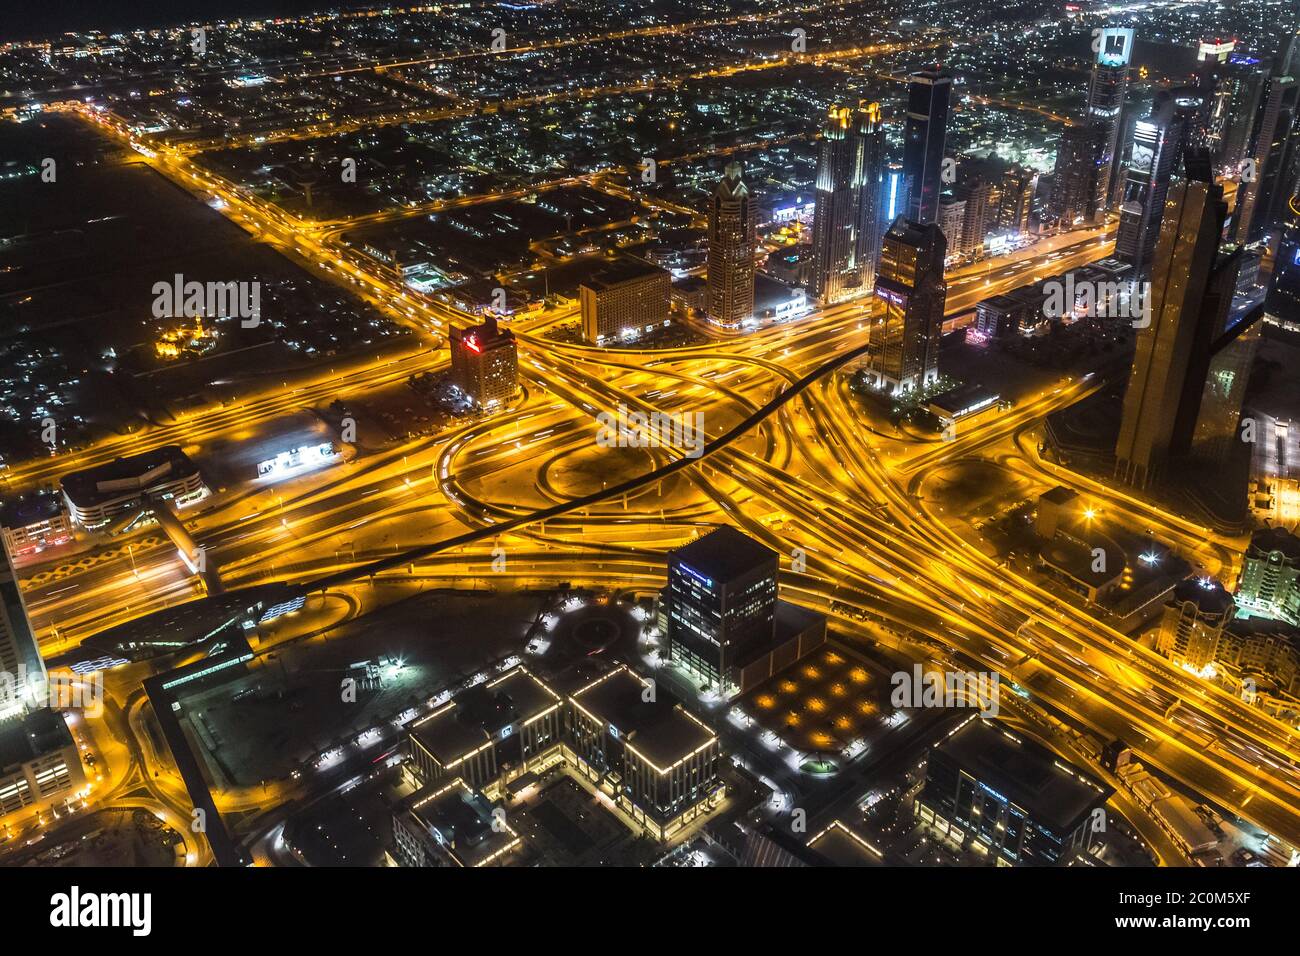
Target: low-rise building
point(95, 496)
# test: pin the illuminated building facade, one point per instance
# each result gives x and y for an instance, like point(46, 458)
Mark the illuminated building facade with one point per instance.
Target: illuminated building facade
point(1269, 584)
point(907, 315)
point(721, 602)
point(448, 824)
point(1106, 93)
point(1074, 181)
point(1272, 157)
point(624, 301)
point(1157, 141)
point(97, 495)
point(1010, 798)
point(611, 731)
point(34, 523)
point(486, 730)
point(928, 100)
point(664, 760)
point(846, 223)
point(1193, 623)
point(484, 362)
point(1016, 202)
point(39, 763)
point(732, 241)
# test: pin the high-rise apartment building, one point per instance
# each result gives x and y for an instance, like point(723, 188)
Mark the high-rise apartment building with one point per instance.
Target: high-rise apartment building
point(732, 240)
point(1074, 180)
point(1016, 202)
point(846, 223)
point(1269, 585)
point(928, 101)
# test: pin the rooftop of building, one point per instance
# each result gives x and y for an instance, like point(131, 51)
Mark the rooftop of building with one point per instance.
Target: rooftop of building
point(479, 714)
point(87, 487)
point(621, 269)
point(485, 335)
point(770, 293)
point(28, 509)
point(1267, 540)
point(1025, 773)
point(1060, 495)
point(38, 733)
point(724, 554)
point(963, 398)
point(660, 730)
point(1209, 596)
point(462, 819)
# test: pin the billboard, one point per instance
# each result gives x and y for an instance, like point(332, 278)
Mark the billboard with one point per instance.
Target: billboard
point(1114, 45)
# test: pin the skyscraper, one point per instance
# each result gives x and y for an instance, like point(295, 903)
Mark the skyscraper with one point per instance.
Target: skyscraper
point(1189, 370)
point(721, 601)
point(1157, 141)
point(1270, 179)
point(907, 314)
point(846, 224)
point(732, 238)
point(1106, 93)
point(1074, 181)
point(928, 96)
point(1238, 88)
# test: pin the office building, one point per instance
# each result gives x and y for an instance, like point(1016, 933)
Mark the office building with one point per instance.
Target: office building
point(22, 670)
point(484, 362)
point(624, 300)
point(1193, 359)
point(1007, 797)
point(721, 601)
point(928, 101)
point(99, 495)
point(1157, 142)
point(448, 824)
point(846, 223)
point(486, 730)
point(732, 242)
point(1269, 585)
point(1192, 626)
point(664, 758)
point(1106, 93)
point(907, 314)
point(39, 763)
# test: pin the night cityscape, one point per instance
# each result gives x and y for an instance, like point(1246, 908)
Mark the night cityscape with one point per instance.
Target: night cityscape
point(578, 433)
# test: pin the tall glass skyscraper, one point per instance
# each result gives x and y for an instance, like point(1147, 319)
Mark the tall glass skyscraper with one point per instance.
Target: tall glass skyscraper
point(907, 315)
point(928, 96)
point(1106, 93)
